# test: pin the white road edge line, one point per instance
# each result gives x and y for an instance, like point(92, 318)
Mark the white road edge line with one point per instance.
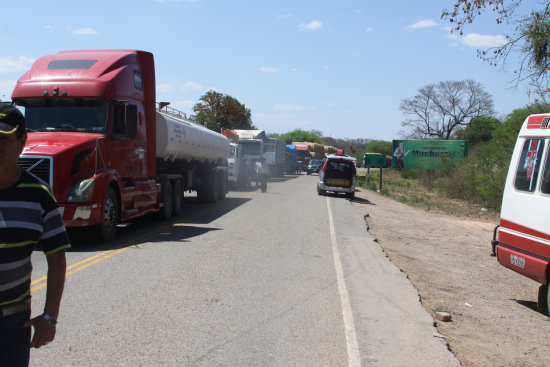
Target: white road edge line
point(354, 356)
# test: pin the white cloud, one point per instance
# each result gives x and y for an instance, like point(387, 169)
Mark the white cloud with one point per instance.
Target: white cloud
point(287, 107)
point(11, 65)
point(50, 28)
point(279, 122)
point(426, 23)
point(369, 29)
point(269, 70)
point(192, 86)
point(478, 40)
point(86, 31)
point(6, 88)
point(311, 26)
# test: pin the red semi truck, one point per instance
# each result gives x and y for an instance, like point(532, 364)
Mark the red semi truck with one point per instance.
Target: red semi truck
point(108, 151)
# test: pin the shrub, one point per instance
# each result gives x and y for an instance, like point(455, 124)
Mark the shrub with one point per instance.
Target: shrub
point(408, 173)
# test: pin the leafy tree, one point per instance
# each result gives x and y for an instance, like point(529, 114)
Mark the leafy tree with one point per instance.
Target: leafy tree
point(380, 146)
point(530, 37)
point(300, 135)
point(480, 129)
point(438, 109)
point(216, 111)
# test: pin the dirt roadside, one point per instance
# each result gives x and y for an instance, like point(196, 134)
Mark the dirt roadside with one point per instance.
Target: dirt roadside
point(495, 321)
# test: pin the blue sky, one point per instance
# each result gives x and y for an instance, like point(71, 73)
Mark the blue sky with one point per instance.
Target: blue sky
point(340, 66)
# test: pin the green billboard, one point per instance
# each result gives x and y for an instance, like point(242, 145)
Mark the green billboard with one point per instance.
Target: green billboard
point(427, 154)
point(374, 160)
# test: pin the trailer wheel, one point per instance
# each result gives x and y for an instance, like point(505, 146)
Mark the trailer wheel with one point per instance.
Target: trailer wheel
point(107, 229)
point(168, 200)
point(222, 185)
point(178, 198)
point(207, 192)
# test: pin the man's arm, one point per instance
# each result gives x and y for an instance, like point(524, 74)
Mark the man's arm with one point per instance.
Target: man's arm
point(43, 331)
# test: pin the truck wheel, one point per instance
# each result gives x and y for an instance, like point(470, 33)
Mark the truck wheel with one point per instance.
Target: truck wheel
point(222, 185)
point(168, 200)
point(207, 192)
point(178, 198)
point(107, 229)
point(548, 299)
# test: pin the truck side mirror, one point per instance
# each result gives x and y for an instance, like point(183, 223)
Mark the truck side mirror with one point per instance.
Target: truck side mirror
point(131, 120)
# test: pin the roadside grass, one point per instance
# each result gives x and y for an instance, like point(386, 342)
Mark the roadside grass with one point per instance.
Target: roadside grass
point(420, 190)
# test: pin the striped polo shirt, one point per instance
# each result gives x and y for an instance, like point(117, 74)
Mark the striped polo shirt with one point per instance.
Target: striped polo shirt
point(29, 216)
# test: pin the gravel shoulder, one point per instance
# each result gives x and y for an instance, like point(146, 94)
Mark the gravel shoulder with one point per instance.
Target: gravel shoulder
point(495, 321)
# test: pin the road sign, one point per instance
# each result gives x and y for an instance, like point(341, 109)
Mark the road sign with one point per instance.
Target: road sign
point(374, 160)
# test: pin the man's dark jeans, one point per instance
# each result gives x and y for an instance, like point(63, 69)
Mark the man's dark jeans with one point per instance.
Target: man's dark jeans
point(15, 340)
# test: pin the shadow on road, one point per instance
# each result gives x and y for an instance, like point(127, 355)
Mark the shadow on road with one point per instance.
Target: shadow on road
point(151, 228)
point(531, 305)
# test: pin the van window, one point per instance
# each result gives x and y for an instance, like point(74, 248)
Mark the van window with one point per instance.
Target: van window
point(529, 163)
point(545, 186)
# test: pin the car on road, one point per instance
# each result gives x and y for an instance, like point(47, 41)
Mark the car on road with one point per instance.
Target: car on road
point(338, 175)
point(314, 165)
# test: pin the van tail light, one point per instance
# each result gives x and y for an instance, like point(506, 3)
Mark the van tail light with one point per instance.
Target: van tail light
point(325, 166)
point(354, 170)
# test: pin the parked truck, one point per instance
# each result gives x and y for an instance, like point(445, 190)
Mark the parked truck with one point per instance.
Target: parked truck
point(109, 153)
point(238, 170)
point(303, 153)
point(274, 153)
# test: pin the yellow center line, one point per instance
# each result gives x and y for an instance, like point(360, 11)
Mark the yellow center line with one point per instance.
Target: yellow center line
point(40, 282)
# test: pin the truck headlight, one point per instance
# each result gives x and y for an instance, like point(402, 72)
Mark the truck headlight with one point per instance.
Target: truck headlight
point(82, 191)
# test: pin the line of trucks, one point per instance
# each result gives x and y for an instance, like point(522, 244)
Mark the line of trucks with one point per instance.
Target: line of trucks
point(111, 153)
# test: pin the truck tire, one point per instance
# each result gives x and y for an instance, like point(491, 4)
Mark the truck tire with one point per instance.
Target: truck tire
point(168, 201)
point(207, 192)
point(221, 185)
point(178, 198)
point(107, 229)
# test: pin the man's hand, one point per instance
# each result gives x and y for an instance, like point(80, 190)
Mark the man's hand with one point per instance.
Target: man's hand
point(43, 331)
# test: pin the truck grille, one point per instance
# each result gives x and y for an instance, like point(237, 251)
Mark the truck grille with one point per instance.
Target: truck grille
point(41, 167)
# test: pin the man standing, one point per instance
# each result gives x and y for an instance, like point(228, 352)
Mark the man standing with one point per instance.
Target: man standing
point(262, 174)
point(29, 216)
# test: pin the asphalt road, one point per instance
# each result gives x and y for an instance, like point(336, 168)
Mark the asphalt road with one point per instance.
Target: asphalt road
point(285, 278)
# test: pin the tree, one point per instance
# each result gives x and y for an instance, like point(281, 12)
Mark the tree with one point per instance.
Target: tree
point(438, 109)
point(480, 129)
point(380, 146)
point(300, 136)
point(216, 111)
point(530, 38)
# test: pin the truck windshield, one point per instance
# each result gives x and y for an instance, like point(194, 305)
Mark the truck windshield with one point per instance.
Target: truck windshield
point(251, 147)
point(65, 114)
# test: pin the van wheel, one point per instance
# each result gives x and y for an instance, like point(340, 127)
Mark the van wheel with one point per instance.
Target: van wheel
point(107, 229)
point(168, 200)
point(320, 191)
point(178, 198)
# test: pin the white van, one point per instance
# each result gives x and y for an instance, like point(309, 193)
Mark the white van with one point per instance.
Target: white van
point(523, 243)
point(338, 175)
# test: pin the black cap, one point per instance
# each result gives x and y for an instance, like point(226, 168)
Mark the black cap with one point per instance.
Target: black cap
point(10, 119)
